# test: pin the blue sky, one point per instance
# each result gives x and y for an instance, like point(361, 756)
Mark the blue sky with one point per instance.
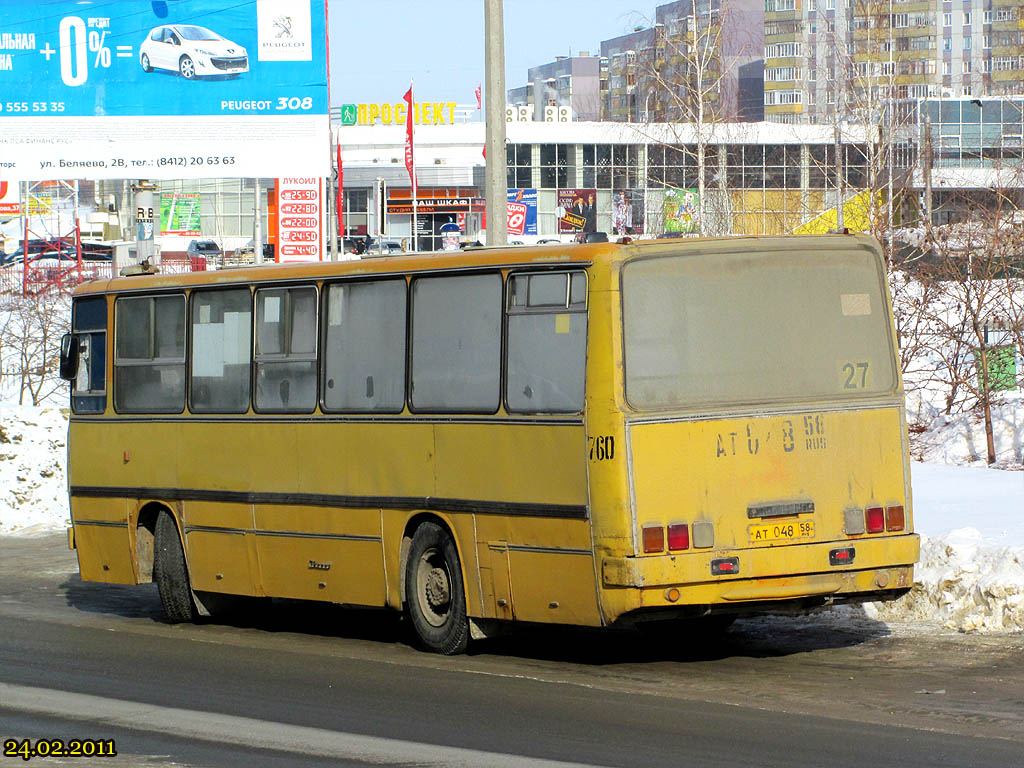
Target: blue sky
point(378, 46)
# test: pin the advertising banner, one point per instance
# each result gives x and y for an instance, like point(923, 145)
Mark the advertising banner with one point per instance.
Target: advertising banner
point(522, 211)
point(628, 212)
point(10, 198)
point(577, 210)
point(157, 90)
point(398, 205)
point(179, 214)
point(300, 216)
point(682, 212)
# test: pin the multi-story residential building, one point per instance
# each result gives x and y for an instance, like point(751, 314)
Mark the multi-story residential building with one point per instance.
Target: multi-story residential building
point(824, 57)
point(568, 81)
point(626, 64)
point(694, 63)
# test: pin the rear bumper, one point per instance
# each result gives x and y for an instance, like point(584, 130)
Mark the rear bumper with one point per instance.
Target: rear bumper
point(795, 572)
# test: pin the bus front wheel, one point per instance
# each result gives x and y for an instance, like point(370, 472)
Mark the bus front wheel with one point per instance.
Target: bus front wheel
point(170, 572)
point(435, 598)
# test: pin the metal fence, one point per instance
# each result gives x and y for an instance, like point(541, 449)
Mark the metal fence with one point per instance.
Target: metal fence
point(64, 279)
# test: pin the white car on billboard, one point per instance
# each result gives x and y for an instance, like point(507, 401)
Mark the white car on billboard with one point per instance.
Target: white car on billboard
point(192, 52)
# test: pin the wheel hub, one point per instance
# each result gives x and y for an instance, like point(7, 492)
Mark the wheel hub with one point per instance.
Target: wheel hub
point(437, 588)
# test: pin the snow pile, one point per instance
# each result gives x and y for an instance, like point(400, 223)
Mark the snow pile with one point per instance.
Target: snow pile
point(971, 573)
point(964, 584)
point(33, 485)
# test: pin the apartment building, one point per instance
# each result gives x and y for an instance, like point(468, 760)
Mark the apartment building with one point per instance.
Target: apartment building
point(694, 61)
point(824, 56)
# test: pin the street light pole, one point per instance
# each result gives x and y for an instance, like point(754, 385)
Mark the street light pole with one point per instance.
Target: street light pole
point(496, 183)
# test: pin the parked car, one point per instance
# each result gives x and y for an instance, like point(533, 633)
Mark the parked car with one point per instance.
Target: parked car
point(50, 256)
point(549, 241)
point(671, 234)
point(92, 251)
point(249, 250)
point(206, 248)
point(191, 51)
point(592, 237)
point(18, 255)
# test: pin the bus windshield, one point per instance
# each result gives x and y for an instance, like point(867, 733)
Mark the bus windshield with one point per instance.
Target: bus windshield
point(736, 328)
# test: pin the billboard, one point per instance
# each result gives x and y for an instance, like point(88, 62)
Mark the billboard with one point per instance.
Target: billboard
point(628, 212)
point(179, 214)
point(522, 211)
point(10, 198)
point(577, 210)
point(173, 89)
point(682, 212)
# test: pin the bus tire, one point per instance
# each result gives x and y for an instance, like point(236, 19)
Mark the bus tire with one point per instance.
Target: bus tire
point(435, 597)
point(170, 572)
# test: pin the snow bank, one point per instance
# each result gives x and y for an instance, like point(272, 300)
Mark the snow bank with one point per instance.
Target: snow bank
point(33, 484)
point(971, 573)
point(964, 584)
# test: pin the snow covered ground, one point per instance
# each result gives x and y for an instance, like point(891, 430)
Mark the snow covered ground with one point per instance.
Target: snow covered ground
point(971, 575)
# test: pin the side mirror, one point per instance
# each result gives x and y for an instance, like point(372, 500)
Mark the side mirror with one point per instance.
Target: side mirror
point(69, 356)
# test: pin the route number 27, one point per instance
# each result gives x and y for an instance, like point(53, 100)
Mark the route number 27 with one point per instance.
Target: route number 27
point(855, 375)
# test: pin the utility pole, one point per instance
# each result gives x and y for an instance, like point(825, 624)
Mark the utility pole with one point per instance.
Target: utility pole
point(840, 180)
point(496, 183)
point(257, 222)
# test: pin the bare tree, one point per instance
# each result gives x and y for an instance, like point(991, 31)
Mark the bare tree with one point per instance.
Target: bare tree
point(30, 344)
point(688, 80)
point(874, 124)
point(973, 317)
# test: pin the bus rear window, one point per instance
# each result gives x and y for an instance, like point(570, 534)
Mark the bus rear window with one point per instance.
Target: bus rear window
point(754, 327)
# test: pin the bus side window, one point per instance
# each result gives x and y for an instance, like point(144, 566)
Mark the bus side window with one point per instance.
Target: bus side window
point(456, 343)
point(221, 351)
point(286, 337)
point(546, 351)
point(149, 354)
point(364, 347)
point(89, 324)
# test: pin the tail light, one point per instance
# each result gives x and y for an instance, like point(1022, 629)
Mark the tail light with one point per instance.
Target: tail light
point(894, 518)
point(678, 537)
point(654, 538)
point(875, 517)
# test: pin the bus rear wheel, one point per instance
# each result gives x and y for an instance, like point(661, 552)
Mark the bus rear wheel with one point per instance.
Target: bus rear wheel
point(170, 572)
point(435, 597)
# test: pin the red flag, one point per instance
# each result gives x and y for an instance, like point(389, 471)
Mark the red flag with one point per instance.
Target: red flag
point(479, 104)
point(410, 164)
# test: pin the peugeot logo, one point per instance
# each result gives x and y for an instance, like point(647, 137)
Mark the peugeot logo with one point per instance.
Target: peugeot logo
point(284, 26)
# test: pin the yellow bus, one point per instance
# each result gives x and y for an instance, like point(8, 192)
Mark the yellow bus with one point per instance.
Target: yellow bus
point(594, 434)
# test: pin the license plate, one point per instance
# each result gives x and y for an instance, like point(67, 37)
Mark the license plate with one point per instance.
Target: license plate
point(799, 529)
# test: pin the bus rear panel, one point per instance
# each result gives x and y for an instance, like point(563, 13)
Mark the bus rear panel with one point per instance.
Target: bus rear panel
point(765, 431)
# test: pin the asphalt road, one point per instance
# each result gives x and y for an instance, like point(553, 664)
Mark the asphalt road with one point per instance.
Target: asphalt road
point(285, 683)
